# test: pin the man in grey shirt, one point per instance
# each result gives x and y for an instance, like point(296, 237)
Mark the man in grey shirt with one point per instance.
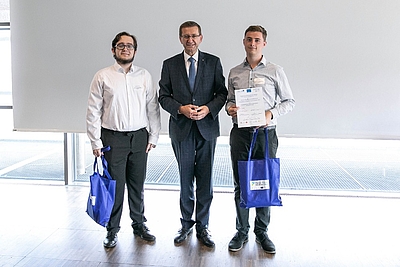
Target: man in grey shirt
point(256, 71)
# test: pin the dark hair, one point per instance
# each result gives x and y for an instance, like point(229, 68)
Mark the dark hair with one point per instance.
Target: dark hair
point(257, 28)
point(188, 24)
point(118, 37)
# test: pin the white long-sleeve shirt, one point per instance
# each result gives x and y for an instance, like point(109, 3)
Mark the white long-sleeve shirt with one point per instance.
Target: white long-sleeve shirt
point(122, 102)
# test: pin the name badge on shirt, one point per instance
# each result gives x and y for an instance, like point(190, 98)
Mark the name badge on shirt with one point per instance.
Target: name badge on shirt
point(259, 80)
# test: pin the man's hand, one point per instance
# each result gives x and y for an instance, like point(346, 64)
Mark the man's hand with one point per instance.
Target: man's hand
point(149, 147)
point(194, 112)
point(188, 110)
point(97, 152)
point(268, 118)
point(200, 113)
point(232, 111)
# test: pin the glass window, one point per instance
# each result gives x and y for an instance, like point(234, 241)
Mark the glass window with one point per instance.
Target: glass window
point(5, 66)
point(4, 10)
point(5, 55)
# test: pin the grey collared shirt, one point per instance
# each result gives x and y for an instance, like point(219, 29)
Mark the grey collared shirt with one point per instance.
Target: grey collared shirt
point(277, 94)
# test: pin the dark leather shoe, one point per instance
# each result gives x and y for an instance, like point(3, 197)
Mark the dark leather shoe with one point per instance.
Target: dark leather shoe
point(237, 241)
point(143, 232)
point(265, 243)
point(111, 240)
point(182, 235)
point(205, 238)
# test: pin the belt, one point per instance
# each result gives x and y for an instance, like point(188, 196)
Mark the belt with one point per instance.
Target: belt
point(127, 133)
point(251, 129)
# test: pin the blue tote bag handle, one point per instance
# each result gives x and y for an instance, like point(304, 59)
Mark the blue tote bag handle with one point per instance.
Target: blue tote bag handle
point(253, 143)
point(104, 163)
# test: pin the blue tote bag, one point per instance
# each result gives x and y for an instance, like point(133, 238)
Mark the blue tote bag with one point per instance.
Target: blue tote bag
point(102, 193)
point(259, 179)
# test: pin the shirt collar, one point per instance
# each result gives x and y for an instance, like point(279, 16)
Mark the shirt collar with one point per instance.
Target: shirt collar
point(118, 68)
point(195, 56)
point(263, 61)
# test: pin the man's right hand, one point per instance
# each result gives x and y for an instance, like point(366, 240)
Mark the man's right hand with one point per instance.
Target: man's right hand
point(97, 152)
point(188, 110)
point(232, 111)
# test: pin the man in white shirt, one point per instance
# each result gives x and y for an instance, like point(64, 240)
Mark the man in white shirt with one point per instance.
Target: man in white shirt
point(123, 113)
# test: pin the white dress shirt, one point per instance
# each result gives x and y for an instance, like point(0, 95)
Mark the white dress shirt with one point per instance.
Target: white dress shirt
point(195, 56)
point(122, 102)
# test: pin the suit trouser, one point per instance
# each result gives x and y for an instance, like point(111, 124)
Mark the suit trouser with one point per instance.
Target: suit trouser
point(127, 162)
point(240, 140)
point(195, 157)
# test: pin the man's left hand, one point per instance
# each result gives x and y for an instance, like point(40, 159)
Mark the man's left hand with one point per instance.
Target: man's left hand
point(149, 147)
point(202, 111)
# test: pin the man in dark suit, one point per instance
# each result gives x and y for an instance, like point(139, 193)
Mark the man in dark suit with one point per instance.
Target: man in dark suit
point(193, 91)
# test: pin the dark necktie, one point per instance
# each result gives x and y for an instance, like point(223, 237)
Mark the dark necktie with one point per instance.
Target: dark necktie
point(192, 73)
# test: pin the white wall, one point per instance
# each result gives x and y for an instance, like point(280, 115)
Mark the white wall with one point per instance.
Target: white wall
point(341, 57)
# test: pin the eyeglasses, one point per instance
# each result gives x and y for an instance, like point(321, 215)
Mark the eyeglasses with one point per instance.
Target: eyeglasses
point(187, 36)
point(122, 46)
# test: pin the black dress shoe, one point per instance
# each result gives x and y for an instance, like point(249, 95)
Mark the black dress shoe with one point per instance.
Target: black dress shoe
point(205, 238)
point(143, 232)
point(111, 240)
point(237, 241)
point(265, 243)
point(183, 233)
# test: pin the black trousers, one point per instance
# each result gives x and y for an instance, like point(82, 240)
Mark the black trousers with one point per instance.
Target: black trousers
point(127, 163)
point(195, 157)
point(240, 140)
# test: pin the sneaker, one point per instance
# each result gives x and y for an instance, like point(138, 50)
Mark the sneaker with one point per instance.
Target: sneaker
point(237, 241)
point(143, 232)
point(265, 243)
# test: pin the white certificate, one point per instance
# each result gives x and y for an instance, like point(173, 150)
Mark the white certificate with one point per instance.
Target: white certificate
point(251, 107)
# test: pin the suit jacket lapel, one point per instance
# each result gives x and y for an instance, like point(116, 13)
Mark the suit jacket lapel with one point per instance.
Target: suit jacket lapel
point(200, 67)
point(183, 71)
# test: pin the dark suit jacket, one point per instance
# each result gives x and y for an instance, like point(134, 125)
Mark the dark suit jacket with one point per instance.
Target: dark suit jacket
point(209, 89)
